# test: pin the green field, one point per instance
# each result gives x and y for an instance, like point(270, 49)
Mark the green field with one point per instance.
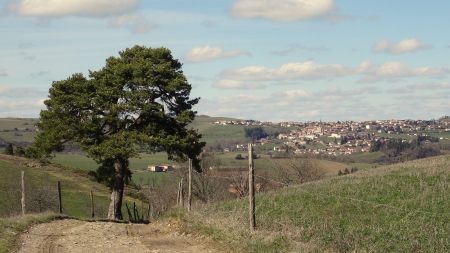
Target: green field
point(397, 208)
point(366, 157)
point(141, 176)
point(81, 161)
point(138, 166)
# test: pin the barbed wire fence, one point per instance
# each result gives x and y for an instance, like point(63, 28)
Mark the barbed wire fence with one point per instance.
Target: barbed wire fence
point(30, 195)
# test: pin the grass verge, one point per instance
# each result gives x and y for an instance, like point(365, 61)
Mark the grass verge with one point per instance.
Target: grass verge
point(11, 228)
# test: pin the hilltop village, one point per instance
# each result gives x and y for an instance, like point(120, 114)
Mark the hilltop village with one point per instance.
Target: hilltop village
point(343, 137)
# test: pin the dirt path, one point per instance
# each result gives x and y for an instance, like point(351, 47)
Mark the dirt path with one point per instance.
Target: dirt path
point(73, 236)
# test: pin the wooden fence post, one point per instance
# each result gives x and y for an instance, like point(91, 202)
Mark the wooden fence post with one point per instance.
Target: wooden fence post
point(190, 186)
point(92, 205)
point(151, 212)
point(178, 195)
point(251, 188)
point(22, 200)
point(60, 198)
point(181, 193)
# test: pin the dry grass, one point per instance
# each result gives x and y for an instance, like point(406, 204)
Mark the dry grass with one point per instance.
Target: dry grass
point(397, 208)
point(10, 228)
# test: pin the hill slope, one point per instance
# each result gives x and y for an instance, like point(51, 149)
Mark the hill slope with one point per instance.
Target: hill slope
point(41, 196)
point(22, 130)
point(41, 189)
point(398, 208)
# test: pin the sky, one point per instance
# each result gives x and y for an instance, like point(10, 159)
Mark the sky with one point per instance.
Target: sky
point(269, 60)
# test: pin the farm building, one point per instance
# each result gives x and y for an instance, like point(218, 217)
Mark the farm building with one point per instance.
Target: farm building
point(160, 168)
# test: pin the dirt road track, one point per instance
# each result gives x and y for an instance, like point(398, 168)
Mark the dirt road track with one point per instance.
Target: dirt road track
point(73, 236)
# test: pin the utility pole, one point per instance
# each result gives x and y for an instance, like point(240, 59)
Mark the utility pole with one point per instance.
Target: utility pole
point(251, 188)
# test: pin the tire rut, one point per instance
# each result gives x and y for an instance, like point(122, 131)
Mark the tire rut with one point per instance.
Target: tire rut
point(73, 236)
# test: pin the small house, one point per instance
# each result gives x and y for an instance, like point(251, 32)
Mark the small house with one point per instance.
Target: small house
point(160, 168)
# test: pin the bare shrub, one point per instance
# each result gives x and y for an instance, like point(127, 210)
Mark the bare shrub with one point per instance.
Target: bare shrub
point(239, 184)
point(298, 171)
point(208, 187)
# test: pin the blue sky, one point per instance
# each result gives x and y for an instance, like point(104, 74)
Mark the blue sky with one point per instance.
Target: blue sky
point(260, 59)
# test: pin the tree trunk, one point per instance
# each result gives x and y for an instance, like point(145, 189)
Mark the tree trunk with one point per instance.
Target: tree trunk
point(115, 206)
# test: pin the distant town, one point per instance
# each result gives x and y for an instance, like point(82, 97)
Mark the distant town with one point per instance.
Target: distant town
point(343, 137)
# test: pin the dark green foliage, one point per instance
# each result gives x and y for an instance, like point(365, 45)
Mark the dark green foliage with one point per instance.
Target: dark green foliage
point(347, 171)
point(239, 157)
point(255, 156)
point(9, 150)
point(105, 172)
point(255, 133)
point(397, 150)
point(422, 138)
point(376, 146)
point(140, 97)
point(19, 151)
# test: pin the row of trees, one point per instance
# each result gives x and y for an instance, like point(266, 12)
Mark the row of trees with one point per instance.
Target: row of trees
point(399, 150)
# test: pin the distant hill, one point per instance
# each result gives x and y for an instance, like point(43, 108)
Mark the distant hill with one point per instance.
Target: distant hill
point(17, 130)
point(22, 130)
point(397, 208)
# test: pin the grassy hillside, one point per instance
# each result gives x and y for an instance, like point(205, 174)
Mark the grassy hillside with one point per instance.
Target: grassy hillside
point(19, 123)
point(22, 130)
point(41, 197)
point(17, 129)
point(41, 190)
point(398, 208)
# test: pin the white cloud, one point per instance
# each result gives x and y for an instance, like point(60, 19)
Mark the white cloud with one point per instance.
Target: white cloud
point(207, 53)
point(136, 23)
point(23, 108)
point(396, 70)
point(21, 101)
point(288, 71)
point(281, 10)
point(430, 86)
point(295, 94)
point(8, 92)
point(330, 103)
point(295, 104)
point(401, 47)
point(234, 84)
point(293, 48)
point(60, 8)
point(309, 70)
